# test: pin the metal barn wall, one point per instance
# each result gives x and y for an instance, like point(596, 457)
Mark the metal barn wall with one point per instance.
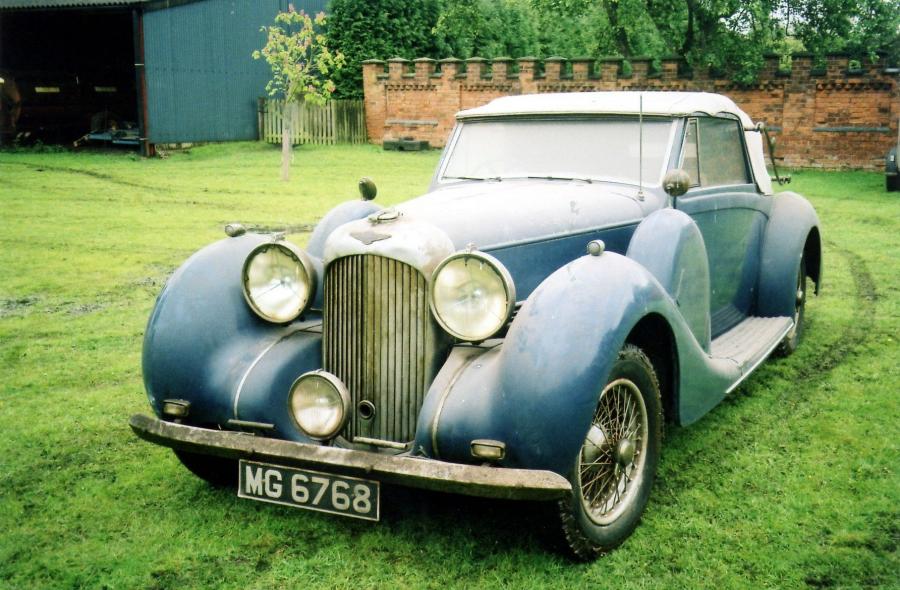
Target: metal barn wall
point(202, 83)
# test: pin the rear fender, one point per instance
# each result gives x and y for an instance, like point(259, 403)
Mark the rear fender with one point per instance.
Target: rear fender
point(792, 230)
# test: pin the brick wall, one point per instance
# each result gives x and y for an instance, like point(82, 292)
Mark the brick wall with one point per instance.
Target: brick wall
point(833, 118)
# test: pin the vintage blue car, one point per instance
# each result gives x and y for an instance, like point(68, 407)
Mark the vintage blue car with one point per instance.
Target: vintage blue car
point(584, 268)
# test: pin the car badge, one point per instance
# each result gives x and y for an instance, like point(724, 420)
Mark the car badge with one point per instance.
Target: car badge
point(369, 237)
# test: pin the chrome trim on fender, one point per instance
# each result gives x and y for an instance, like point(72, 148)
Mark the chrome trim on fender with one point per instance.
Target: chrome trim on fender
point(429, 474)
point(265, 351)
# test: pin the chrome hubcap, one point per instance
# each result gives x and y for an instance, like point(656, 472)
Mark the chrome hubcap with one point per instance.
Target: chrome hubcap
point(624, 452)
point(611, 462)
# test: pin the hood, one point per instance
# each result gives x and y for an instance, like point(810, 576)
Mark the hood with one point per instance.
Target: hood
point(494, 214)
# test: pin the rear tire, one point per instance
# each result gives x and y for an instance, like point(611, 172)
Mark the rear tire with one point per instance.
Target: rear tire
point(217, 471)
point(792, 339)
point(892, 183)
point(616, 465)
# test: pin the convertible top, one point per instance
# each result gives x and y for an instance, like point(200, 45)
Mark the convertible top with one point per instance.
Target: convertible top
point(673, 104)
point(618, 102)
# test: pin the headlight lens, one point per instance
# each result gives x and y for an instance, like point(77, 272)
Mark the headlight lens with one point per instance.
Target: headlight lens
point(318, 402)
point(472, 295)
point(279, 281)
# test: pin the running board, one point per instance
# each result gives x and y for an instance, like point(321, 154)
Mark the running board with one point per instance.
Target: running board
point(750, 342)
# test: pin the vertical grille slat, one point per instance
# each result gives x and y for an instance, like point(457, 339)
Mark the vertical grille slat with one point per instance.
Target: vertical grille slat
point(379, 338)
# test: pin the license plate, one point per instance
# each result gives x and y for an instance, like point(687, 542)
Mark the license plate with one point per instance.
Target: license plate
point(313, 490)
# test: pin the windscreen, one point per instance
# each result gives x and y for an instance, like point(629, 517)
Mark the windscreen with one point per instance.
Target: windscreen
point(573, 148)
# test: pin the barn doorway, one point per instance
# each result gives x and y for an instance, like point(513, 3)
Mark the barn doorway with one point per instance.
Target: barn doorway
point(66, 73)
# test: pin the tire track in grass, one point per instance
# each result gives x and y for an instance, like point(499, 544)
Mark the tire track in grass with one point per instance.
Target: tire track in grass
point(98, 175)
point(114, 179)
point(822, 362)
point(708, 451)
point(860, 330)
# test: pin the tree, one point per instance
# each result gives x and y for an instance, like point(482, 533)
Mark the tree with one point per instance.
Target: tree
point(301, 62)
point(379, 29)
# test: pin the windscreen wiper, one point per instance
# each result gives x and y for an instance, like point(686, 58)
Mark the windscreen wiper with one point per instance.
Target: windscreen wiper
point(577, 179)
point(488, 178)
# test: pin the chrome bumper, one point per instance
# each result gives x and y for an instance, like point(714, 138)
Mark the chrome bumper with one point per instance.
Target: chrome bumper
point(429, 474)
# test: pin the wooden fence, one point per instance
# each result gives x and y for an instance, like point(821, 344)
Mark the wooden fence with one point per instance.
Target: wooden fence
point(337, 121)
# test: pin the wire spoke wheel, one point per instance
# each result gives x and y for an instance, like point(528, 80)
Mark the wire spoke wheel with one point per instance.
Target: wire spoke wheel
point(612, 457)
point(613, 472)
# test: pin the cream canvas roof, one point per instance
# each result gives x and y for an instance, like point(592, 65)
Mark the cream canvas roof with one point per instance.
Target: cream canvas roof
point(630, 103)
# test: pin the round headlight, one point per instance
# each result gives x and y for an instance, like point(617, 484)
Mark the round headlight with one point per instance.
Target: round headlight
point(279, 281)
point(318, 402)
point(472, 295)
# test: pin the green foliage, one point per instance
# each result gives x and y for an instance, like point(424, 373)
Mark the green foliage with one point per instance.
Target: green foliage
point(379, 29)
point(731, 37)
point(301, 61)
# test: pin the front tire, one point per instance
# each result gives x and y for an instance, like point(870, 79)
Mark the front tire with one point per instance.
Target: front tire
point(615, 468)
point(217, 471)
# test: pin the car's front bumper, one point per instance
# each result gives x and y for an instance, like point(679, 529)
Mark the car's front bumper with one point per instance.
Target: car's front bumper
point(471, 480)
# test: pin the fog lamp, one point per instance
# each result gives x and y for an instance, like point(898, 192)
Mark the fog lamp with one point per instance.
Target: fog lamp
point(318, 402)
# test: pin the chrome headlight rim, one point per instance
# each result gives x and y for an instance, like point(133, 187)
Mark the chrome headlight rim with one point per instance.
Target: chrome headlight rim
point(343, 393)
point(508, 285)
point(308, 268)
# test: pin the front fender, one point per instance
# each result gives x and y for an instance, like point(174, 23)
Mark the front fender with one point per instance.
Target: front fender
point(792, 230)
point(204, 344)
point(538, 390)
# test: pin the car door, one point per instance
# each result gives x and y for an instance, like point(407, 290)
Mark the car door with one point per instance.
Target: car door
point(728, 209)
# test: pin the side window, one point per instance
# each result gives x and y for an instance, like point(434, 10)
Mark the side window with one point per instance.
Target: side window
point(690, 162)
point(721, 153)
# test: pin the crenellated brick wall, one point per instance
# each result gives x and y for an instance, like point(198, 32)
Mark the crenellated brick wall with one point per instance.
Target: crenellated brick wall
point(833, 118)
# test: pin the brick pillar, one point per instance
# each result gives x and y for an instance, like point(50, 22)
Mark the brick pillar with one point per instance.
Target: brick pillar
point(798, 116)
point(500, 68)
point(670, 69)
point(424, 68)
point(640, 69)
point(609, 72)
point(474, 69)
point(449, 67)
point(374, 98)
point(553, 68)
point(581, 68)
point(526, 74)
point(397, 66)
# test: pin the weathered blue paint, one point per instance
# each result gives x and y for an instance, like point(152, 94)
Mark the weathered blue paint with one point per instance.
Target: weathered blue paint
point(202, 339)
point(537, 393)
point(792, 223)
point(718, 257)
point(202, 83)
point(670, 246)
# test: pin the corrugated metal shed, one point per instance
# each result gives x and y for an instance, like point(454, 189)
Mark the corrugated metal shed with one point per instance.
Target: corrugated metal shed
point(50, 4)
point(202, 83)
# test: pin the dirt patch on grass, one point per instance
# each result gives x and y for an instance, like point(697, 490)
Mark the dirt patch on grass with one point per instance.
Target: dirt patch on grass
point(18, 306)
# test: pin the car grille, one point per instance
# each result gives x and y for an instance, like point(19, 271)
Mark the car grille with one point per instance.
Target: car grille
point(380, 339)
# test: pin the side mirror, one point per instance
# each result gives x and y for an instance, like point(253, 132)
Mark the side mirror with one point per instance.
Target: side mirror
point(367, 188)
point(676, 182)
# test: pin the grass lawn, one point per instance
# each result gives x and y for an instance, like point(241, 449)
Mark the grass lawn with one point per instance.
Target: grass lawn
point(792, 482)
